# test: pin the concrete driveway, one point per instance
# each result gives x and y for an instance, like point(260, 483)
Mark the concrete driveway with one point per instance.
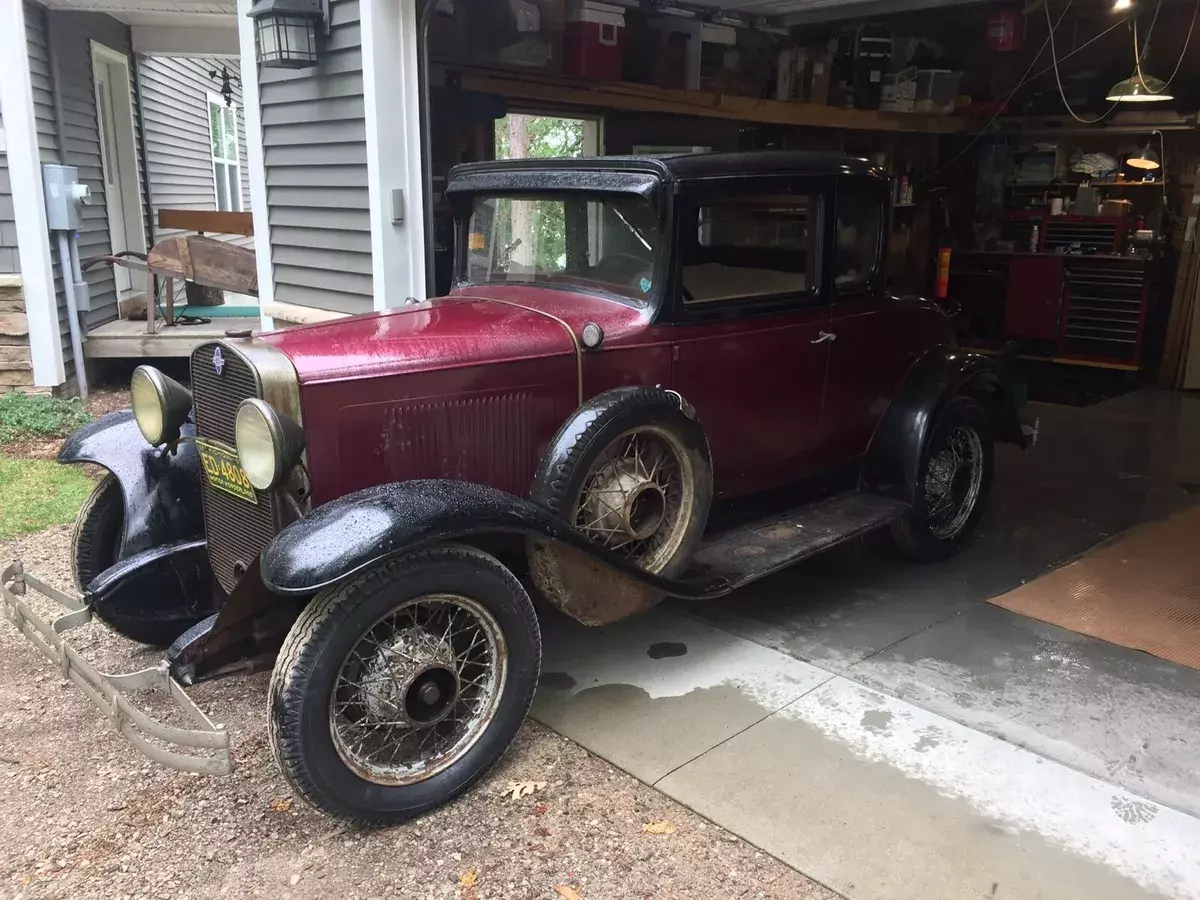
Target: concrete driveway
point(886, 731)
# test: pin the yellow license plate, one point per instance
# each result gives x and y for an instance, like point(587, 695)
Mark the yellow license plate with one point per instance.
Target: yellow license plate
point(224, 471)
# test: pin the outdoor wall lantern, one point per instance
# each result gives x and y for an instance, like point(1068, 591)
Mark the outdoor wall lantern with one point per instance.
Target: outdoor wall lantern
point(285, 31)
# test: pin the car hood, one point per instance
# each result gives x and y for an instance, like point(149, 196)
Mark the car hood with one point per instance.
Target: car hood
point(447, 332)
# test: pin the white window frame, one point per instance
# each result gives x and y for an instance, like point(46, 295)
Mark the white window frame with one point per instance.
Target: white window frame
point(235, 197)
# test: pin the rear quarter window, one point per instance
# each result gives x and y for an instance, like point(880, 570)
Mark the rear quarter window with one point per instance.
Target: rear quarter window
point(752, 247)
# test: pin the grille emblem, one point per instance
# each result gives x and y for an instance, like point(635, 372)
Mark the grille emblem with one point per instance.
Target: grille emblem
point(218, 360)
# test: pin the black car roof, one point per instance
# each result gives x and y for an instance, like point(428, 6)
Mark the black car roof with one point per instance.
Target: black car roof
point(686, 166)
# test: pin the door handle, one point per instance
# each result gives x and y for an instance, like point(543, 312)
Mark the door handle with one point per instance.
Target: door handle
point(824, 336)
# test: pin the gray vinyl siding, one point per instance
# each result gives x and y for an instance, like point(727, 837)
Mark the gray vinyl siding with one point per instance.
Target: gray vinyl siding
point(9, 263)
point(315, 156)
point(41, 81)
point(177, 141)
point(70, 35)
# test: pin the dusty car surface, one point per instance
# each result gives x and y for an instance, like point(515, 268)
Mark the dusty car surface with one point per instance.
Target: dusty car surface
point(368, 504)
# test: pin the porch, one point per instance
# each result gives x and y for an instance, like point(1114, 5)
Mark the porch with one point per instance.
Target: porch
point(142, 99)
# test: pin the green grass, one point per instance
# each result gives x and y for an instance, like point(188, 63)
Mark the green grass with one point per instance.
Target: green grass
point(38, 493)
point(22, 415)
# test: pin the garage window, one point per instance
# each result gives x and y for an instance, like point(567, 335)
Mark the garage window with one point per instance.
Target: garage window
point(755, 247)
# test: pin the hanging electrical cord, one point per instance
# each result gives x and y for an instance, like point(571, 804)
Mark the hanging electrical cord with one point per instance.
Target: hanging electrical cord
point(1058, 76)
point(1139, 55)
point(1004, 100)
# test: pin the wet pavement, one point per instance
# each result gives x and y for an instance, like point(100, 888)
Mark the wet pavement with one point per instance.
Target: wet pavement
point(884, 729)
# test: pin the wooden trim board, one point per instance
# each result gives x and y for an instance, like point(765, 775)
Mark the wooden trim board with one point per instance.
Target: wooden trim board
point(207, 220)
point(647, 98)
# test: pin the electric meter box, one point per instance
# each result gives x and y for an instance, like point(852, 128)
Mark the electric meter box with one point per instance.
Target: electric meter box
point(64, 193)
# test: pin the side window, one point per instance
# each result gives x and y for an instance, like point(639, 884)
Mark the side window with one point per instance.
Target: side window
point(752, 247)
point(859, 225)
point(222, 131)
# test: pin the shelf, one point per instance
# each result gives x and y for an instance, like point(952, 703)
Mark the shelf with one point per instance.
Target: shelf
point(1124, 122)
point(1076, 184)
point(627, 97)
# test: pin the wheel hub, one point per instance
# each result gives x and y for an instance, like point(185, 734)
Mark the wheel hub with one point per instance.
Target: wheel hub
point(412, 679)
point(953, 482)
point(626, 502)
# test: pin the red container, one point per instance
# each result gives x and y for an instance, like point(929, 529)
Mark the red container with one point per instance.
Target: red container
point(592, 44)
point(1004, 31)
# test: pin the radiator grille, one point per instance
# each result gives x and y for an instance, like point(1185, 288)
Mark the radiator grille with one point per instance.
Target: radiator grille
point(237, 531)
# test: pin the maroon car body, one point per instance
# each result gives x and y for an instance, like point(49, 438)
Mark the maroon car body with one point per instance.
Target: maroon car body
point(627, 340)
point(497, 361)
point(775, 406)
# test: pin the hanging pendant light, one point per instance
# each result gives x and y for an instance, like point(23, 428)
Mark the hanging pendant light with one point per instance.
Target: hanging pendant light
point(1147, 158)
point(1139, 87)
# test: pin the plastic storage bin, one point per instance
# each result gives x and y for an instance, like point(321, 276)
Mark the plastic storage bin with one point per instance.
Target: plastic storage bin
point(592, 44)
point(937, 90)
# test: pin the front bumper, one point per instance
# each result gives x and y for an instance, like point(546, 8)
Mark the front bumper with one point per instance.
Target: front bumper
point(150, 737)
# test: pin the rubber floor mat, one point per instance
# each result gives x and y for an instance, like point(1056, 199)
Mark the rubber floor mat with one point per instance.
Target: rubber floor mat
point(1141, 591)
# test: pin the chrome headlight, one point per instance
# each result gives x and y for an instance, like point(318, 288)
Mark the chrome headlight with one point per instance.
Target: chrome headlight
point(268, 444)
point(160, 405)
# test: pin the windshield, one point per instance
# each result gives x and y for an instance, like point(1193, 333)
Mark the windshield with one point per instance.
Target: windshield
point(599, 242)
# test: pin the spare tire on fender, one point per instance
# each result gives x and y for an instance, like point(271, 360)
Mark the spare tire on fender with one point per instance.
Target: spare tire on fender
point(629, 469)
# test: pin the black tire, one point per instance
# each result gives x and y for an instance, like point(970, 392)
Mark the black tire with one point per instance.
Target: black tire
point(594, 427)
point(309, 663)
point(915, 534)
point(99, 529)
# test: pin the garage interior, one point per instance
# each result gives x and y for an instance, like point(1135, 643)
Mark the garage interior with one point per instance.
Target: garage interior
point(1055, 217)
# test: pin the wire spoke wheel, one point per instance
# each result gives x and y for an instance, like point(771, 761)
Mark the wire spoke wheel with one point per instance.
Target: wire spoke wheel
point(418, 689)
point(637, 498)
point(953, 482)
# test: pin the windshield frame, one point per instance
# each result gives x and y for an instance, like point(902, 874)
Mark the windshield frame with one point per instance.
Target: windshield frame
point(464, 205)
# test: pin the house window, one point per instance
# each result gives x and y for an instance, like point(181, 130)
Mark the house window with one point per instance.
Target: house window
point(222, 127)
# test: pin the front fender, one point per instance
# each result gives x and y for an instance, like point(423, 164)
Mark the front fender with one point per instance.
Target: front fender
point(161, 489)
point(350, 534)
point(894, 457)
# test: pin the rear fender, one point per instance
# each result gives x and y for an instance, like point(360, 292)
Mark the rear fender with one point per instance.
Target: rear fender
point(161, 487)
point(355, 532)
point(894, 457)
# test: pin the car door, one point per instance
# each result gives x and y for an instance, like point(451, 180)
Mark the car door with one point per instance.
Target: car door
point(749, 342)
point(870, 350)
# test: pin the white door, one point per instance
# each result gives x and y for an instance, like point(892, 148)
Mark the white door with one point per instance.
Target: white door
point(110, 78)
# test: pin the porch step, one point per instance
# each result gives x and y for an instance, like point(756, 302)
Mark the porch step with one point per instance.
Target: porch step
point(751, 551)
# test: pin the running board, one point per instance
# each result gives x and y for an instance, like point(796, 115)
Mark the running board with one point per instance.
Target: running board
point(756, 549)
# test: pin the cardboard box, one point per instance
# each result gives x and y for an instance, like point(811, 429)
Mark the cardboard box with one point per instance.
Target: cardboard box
point(899, 91)
point(1115, 207)
point(818, 73)
point(804, 74)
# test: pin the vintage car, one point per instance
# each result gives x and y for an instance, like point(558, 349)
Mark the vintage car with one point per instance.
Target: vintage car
point(369, 504)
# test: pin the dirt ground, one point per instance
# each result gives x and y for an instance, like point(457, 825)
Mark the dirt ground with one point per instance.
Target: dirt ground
point(101, 400)
point(83, 816)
